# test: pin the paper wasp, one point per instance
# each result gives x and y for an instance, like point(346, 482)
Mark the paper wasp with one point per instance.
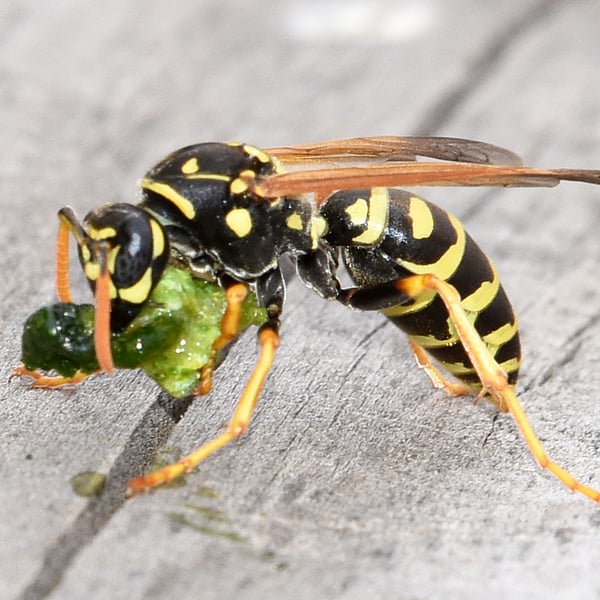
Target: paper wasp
point(229, 212)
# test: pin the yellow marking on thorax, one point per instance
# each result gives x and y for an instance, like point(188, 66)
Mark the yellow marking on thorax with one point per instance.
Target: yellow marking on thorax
point(239, 220)
point(209, 176)
point(294, 221)
point(447, 264)
point(318, 228)
point(257, 153)
point(238, 186)
point(421, 217)
point(140, 290)
point(376, 219)
point(241, 184)
point(190, 166)
point(167, 192)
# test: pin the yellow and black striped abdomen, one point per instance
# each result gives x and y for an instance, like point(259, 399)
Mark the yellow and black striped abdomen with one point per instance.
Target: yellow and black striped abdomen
point(416, 237)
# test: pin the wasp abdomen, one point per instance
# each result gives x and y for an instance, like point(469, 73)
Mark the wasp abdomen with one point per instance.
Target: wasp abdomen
point(389, 234)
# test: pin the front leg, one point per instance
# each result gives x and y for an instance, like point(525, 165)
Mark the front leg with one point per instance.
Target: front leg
point(235, 294)
point(49, 381)
point(270, 290)
point(268, 341)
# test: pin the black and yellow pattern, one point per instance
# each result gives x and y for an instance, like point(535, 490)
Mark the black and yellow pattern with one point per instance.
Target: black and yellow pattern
point(230, 213)
point(390, 234)
point(127, 243)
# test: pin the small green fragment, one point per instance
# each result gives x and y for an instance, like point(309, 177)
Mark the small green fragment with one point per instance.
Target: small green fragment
point(88, 483)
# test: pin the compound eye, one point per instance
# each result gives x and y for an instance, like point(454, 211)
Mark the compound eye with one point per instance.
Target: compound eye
point(130, 257)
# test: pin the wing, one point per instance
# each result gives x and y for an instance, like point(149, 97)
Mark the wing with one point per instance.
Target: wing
point(395, 148)
point(393, 164)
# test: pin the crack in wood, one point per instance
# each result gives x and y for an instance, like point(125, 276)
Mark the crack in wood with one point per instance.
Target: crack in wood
point(572, 346)
point(143, 443)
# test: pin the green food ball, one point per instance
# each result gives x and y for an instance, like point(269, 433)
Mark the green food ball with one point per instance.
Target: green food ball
point(171, 338)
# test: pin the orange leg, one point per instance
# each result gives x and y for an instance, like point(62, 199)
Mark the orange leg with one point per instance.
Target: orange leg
point(49, 381)
point(230, 328)
point(440, 381)
point(437, 378)
point(493, 378)
point(268, 340)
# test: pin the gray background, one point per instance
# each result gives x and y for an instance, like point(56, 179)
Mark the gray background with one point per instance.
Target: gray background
point(356, 480)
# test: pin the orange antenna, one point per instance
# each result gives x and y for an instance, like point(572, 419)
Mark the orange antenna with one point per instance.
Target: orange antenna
point(62, 285)
point(102, 333)
point(68, 223)
point(102, 321)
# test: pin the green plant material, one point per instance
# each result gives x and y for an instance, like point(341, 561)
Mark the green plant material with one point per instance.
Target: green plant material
point(88, 483)
point(171, 339)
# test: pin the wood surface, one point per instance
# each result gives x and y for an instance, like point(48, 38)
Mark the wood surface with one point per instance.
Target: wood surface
point(356, 480)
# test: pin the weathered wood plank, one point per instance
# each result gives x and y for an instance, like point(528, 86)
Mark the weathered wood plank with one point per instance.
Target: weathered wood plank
point(356, 479)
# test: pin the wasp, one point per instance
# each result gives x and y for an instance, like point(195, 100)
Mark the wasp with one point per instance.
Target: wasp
point(229, 212)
